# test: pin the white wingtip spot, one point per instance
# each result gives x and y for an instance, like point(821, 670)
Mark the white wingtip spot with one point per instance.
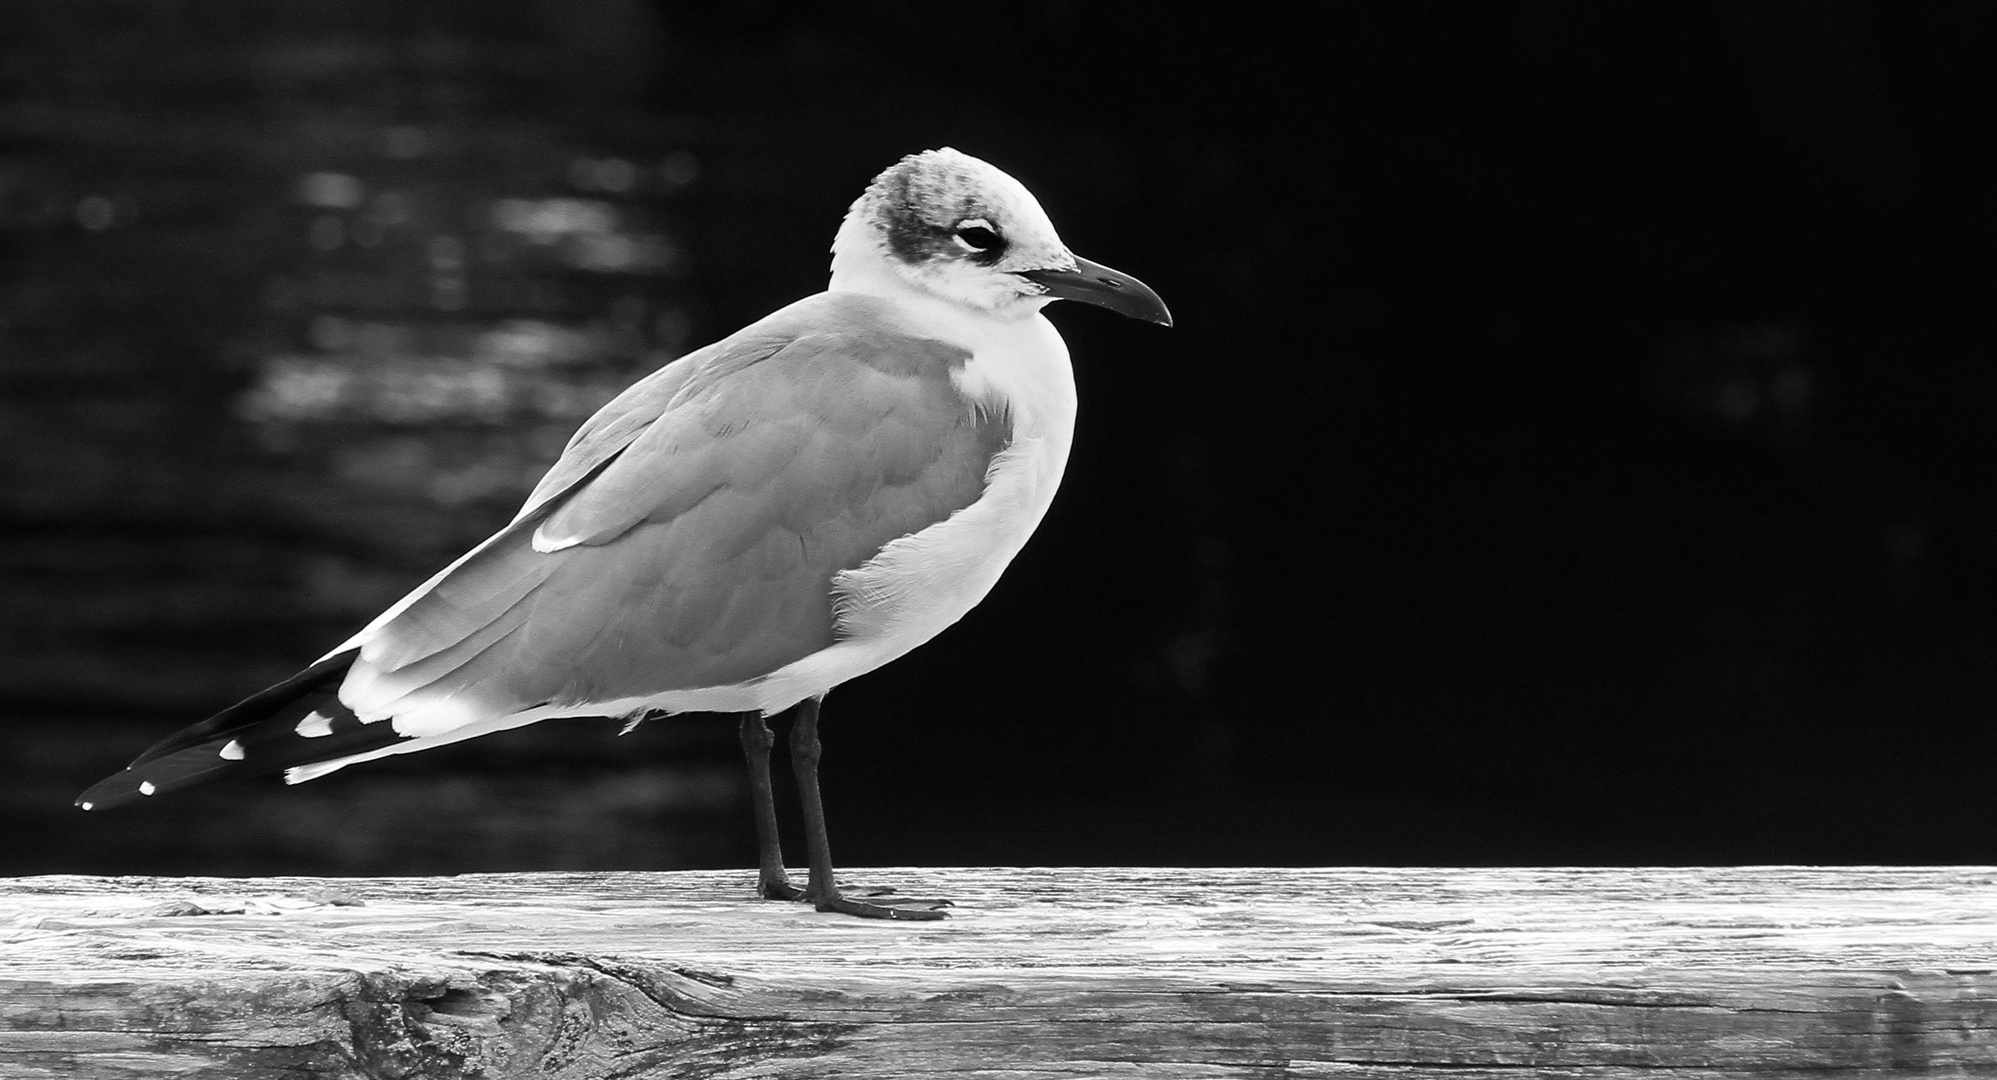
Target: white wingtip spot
point(544, 543)
point(316, 725)
point(435, 716)
point(146, 787)
point(232, 751)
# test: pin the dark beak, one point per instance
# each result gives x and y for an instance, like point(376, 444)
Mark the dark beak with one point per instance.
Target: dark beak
point(1094, 283)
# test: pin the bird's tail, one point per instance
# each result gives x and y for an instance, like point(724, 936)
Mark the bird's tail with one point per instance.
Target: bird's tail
point(300, 721)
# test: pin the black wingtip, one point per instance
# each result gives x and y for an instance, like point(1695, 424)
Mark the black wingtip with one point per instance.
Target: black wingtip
point(115, 790)
point(322, 677)
point(265, 733)
point(218, 759)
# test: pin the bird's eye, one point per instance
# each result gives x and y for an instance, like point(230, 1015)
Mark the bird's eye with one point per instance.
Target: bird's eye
point(977, 235)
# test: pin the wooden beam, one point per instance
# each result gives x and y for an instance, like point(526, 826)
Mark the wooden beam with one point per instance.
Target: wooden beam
point(1042, 973)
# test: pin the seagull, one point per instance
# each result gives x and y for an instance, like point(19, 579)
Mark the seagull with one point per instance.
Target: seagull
point(742, 530)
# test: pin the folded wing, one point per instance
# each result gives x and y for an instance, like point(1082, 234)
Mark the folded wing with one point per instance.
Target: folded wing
point(689, 535)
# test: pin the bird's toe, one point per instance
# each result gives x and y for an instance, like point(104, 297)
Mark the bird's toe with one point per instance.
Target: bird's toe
point(891, 909)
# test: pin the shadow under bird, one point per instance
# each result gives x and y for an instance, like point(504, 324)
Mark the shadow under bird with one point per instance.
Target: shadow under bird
point(742, 530)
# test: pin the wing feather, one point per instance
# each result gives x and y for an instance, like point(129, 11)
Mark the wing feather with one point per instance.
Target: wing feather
point(695, 525)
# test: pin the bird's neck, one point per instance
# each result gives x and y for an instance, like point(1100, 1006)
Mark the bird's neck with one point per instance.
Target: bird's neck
point(858, 265)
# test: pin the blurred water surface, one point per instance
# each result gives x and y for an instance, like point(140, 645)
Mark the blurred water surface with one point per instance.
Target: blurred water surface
point(299, 303)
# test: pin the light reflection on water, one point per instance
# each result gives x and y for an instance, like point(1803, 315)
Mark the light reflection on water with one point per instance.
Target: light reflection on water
point(435, 335)
point(279, 351)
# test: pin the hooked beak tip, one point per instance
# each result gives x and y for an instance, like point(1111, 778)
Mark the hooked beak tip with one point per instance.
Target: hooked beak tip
point(1094, 283)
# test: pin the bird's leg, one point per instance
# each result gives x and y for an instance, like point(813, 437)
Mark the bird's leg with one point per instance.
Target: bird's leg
point(822, 890)
point(771, 881)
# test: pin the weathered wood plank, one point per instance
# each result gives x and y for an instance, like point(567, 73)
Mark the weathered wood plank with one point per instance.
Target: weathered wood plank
point(1765, 971)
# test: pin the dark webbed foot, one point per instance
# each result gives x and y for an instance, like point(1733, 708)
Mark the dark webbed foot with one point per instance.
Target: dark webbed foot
point(882, 906)
point(888, 894)
point(777, 888)
point(877, 902)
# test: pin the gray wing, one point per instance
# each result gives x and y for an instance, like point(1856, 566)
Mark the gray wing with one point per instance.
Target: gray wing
point(689, 535)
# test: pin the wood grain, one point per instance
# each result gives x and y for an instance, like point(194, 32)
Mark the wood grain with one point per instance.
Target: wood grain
point(1764, 971)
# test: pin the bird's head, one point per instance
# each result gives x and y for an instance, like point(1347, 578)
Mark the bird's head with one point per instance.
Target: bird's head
point(956, 227)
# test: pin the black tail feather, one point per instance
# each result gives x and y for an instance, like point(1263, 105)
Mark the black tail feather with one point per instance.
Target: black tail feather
point(258, 735)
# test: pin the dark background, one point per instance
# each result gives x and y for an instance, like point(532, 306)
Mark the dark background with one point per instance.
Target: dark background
point(1576, 445)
